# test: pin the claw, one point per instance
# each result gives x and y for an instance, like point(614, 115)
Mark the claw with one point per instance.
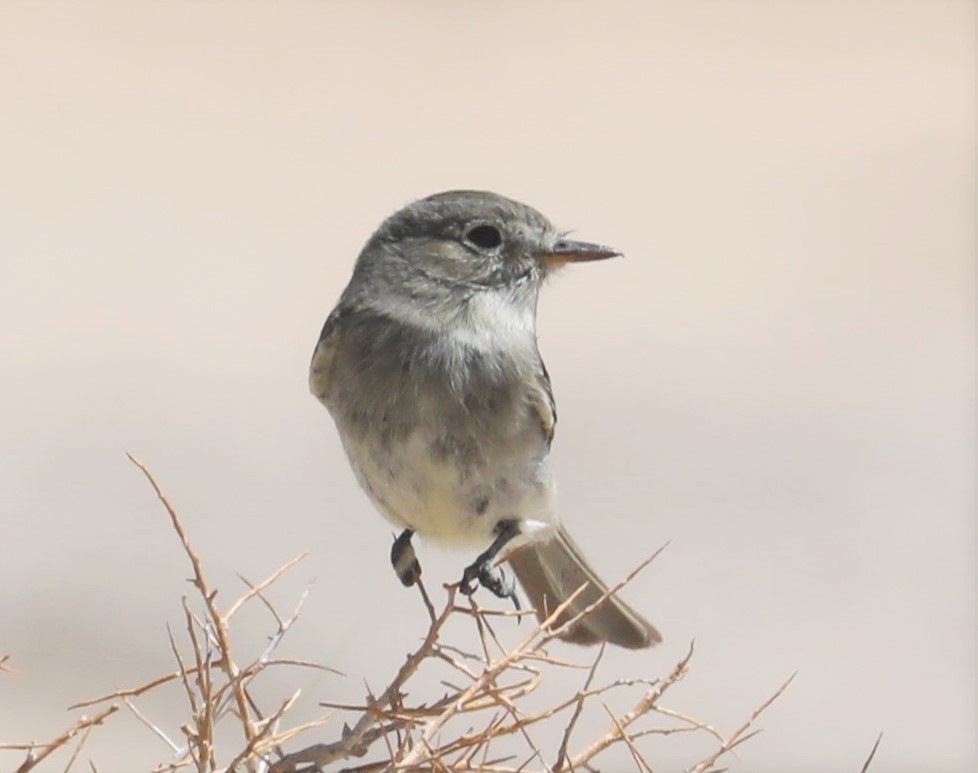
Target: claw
point(467, 585)
point(492, 578)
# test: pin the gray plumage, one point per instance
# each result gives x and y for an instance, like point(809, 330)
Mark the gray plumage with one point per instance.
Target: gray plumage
point(430, 368)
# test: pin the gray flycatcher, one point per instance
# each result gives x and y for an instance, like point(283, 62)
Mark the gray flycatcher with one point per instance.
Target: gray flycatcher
point(430, 368)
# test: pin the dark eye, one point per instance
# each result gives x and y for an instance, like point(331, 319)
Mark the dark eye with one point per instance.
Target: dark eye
point(485, 237)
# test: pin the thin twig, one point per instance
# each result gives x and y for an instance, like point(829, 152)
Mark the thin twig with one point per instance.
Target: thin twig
point(354, 741)
point(872, 753)
point(47, 749)
point(220, 624)
point(738, 736)
point(640, 761)
point(643, 706)
point(565, 739)
point(145, 720)
point(255, 590)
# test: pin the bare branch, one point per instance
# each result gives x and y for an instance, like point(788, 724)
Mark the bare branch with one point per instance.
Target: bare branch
point(461, 727)
point(46, 750)
point(872, 753)
point(738, 736)
point(208, 595)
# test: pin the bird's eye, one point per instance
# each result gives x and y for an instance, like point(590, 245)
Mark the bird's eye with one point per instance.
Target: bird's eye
point(485, 237)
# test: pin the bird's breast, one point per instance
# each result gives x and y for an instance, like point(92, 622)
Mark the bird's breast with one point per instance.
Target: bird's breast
point(442, 435)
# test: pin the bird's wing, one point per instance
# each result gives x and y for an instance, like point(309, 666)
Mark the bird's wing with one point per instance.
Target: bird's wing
point(321, 367)
point(542, 398)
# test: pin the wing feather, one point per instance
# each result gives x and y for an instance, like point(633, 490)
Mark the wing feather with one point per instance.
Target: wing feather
point(542, 397)
point(323, 357)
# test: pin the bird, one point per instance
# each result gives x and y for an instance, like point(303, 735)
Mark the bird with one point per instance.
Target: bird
point(430, 368)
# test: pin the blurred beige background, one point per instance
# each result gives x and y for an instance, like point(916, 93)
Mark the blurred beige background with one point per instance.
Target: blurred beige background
point(779, 378)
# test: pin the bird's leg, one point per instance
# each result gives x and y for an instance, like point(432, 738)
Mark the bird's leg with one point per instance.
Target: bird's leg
point(404, 561)
point(491, 577)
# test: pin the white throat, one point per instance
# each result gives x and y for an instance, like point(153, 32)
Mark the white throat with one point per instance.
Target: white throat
point(488, 321)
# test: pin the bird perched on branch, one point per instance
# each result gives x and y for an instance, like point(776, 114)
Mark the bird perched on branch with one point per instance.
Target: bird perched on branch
point(430, 368)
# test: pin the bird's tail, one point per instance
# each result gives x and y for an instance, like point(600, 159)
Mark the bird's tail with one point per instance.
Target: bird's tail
point(551, 570)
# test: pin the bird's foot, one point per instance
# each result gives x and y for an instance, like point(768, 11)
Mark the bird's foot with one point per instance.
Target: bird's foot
point(490, 577)
point(403, 559)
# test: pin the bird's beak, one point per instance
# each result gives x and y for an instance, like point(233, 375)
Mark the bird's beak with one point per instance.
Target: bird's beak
point(566, 251)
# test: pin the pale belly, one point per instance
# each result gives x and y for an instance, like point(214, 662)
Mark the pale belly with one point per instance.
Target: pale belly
point(437, 489)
